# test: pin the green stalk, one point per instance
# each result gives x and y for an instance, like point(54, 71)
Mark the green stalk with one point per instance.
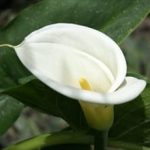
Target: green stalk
point(100, 141)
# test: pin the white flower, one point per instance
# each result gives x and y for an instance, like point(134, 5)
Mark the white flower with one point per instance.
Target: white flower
point(81, 63)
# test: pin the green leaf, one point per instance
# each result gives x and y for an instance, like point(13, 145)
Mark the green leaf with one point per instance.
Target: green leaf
point(37, 95)
point(10, 109)
point(116, 18)
point(132, 120)
point(64, 138)
point(11, 70)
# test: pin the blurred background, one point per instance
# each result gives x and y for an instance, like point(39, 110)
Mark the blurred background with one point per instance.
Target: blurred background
point(136, 49)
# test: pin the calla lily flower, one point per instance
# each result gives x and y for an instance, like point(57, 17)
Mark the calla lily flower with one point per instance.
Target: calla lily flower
point(83, 64)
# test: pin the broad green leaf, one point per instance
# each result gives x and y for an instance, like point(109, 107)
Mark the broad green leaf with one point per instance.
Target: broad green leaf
point(115, 18)
point(68, 137)
point(64, 137)
point(10, 69)
point(132, 120)
point(35, 94)
point(10, 109)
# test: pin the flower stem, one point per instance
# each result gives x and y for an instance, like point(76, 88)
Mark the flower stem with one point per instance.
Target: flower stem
point(100, 142)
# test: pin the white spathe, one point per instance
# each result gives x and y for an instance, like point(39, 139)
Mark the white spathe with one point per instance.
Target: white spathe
point(61, 54)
